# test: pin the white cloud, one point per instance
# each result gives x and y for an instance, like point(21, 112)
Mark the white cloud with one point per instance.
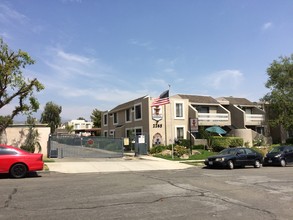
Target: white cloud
point(147, 45)
point(10, 16)
point(267, 25)
point(225, 79)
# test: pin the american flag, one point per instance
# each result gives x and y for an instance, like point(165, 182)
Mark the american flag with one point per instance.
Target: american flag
point(162, 100)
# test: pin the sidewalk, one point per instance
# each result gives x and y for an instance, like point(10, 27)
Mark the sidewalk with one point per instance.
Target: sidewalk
point(99, 165)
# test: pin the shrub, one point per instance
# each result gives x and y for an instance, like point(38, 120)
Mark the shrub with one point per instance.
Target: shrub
point(236, 141)
point(157, 149)
point(220, 143)
point(180, 151)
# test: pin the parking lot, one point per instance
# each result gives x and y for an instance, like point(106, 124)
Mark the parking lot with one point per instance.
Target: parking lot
point(191, 193)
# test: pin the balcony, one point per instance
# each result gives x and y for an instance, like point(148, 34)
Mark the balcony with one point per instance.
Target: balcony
point(254, 119)
point(214, 119)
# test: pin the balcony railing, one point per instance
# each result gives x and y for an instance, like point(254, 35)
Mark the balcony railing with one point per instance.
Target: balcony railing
point(254, 119)
point(213, 117)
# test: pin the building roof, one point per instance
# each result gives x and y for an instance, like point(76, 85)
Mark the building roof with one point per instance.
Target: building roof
point(196, 99)
point(239, 101)
point(127, 104)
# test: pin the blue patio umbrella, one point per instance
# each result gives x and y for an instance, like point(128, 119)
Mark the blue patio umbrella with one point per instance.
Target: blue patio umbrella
point(216, 129)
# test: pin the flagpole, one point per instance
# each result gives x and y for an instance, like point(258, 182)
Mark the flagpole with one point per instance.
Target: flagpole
point(171, 133)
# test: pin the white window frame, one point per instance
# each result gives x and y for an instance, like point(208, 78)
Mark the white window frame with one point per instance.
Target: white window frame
point(184, 131)
point(105, 133)
point(130, 115)
point(175, 110)
point(135, 118)
point(115, 123)
point(105, 115)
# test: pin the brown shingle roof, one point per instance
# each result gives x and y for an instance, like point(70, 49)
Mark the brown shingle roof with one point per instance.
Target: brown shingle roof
point(199, 99)
point(238, 101)
point(127, 104)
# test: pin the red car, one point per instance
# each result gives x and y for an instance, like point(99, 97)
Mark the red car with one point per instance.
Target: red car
point(18, 162)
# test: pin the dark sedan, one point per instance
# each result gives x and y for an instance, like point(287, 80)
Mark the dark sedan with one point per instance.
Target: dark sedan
point(235, 157)
point(281, 156)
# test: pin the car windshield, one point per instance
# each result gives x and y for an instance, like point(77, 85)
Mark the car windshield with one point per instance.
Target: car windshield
point(228, 151)
point(277, 149)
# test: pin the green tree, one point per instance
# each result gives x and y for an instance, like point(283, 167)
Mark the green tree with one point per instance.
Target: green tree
point(32, 138)
point(51, 115)
point(14, 87)
point(96, 118)
point(280, 97)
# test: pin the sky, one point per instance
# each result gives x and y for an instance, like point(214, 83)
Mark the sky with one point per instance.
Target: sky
point(97, 54)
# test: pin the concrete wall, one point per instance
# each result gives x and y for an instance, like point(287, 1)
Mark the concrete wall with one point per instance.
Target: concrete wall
point(16, 135)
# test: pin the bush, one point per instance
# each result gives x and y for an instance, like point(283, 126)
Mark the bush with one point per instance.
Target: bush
point(180, 151)
point(157, 149)
point(220, 143)
point(236, 141)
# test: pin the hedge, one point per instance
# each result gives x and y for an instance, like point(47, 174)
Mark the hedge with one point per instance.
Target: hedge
point(220, 143)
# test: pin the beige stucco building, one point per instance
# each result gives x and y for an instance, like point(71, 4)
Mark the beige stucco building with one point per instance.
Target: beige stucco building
point(184, 113)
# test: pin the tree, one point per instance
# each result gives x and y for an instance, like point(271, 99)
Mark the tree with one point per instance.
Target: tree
point(280, 97)
point(96, 117)
point(14, 86)
point(51, 115)
point(81, 118)
point(32, 138)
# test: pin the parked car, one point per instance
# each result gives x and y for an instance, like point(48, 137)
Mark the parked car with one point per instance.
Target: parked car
point(235, 157)
point(18, 162)
point(281, 156)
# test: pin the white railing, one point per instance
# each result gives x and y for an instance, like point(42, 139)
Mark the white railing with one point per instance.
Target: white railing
point(214, 117)
point(255, 118)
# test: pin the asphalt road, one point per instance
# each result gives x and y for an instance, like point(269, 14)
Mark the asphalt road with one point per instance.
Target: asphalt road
point(193, 193)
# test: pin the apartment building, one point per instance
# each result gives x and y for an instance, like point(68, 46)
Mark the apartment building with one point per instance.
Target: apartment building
point(165, 124)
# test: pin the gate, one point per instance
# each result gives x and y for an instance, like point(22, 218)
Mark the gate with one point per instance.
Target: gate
point(141, 144)
point(60, 146)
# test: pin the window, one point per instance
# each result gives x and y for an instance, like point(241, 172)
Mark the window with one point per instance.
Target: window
point(137, 112)
point(128, 115)
point(179, 110)
point(105, 119)
point(138, 131)
point(4, 151)
point(180, 133)
point(105, 133)
point(115, 120)
point(203, 109)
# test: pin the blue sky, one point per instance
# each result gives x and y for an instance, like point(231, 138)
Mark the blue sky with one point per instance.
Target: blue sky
point(100, 53)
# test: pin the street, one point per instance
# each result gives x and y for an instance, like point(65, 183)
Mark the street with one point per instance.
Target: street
point(193, 193)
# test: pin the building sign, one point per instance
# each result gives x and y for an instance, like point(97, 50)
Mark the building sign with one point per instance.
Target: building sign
point(194, 125)
point(157, 113)
point(141, 139)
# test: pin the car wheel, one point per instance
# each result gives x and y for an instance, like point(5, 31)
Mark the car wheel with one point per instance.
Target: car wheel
point(257, 164)
point(230, 164)
point(283, 163)
point(18, 170)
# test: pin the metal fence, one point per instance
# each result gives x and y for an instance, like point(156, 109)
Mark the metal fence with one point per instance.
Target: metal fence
point(61, 146)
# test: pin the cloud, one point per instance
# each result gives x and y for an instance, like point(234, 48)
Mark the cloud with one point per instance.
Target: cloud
point(267, 26)
point(225, 79)
point(10, 16)
point(147, 45)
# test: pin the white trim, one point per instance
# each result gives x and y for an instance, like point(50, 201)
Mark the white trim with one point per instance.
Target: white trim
point(184, 131)
point(105, 124)
point(183, 110)
point(115, 113)
point(138, 119)
point(130, 115)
